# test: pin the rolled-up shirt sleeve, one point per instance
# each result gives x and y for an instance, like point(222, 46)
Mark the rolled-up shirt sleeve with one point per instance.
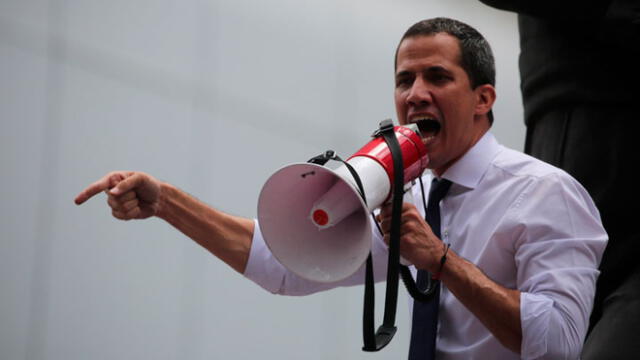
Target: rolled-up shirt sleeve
point(557, 255)
point(266, 271)
point(262, 267)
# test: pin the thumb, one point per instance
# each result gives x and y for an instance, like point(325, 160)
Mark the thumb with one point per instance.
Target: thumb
point(126, 185)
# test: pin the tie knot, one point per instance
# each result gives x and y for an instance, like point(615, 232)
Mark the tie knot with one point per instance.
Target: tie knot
point(439, 189)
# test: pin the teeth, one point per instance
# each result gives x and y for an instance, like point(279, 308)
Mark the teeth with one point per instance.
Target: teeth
point(429, 126)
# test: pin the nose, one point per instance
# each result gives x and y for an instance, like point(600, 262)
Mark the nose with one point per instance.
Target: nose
point(419, 94)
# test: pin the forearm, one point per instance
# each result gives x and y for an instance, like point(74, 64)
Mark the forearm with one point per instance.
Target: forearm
point(225, 236)
point(497, 307)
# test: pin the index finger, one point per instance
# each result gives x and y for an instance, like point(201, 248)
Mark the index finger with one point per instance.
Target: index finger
point(107, 182)
point(385, 210)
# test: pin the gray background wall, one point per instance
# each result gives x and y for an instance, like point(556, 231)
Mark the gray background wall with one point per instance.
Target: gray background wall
point(212, 96)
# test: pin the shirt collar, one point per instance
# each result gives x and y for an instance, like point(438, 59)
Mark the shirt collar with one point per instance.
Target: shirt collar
point(470, 168)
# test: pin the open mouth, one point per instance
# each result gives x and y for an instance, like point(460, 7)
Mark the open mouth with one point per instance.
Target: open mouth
point(429, 128)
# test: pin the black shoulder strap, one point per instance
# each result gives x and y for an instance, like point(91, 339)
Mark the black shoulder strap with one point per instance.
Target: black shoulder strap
point(379, 339)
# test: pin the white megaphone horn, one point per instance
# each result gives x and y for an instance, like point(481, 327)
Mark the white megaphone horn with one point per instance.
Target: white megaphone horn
point(314, 220)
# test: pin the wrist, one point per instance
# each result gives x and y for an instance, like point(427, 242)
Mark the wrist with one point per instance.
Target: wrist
point(164, 194)
point(455, 266)
point(432, 263)
point(440, 266)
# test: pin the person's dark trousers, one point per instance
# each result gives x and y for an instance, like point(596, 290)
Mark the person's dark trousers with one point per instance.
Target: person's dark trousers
point(600, 147)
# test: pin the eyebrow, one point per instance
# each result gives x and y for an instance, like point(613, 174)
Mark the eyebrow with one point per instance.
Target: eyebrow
point(404, 73)
point(438, 69)
point(429, 69)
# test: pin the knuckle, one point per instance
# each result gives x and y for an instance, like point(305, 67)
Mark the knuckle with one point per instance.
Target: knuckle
point(412, 215)
point(112, 202)
point(117, 214)
point(131, 204)
point(133, 212)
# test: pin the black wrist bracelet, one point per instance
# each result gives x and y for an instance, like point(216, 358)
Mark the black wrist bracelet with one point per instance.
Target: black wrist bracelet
point(443, 259)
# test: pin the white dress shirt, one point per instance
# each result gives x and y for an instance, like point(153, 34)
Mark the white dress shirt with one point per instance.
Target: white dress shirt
point(526, 224)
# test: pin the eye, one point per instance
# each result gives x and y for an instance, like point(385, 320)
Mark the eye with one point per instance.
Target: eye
point(403, 81)
point(439, 77)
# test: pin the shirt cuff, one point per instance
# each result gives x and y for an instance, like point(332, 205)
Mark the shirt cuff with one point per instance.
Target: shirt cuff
point(535, 313)
point(262, 267)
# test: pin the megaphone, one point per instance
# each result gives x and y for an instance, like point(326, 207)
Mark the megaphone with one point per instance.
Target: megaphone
point(315, 220)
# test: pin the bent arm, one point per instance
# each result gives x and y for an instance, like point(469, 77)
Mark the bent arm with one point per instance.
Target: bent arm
point(554, 243)
point(226, 236)
point(547, 317)
point(497, 307)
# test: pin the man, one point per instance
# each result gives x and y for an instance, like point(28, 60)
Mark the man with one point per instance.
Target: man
point(525, 237)
point(579, 70)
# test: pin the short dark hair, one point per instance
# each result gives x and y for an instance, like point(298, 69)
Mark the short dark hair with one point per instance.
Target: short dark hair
point(476, 57)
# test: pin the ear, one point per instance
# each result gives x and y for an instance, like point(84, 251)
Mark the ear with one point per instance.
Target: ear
point(485, 97)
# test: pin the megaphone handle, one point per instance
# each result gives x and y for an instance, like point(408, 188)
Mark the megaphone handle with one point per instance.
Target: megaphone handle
point(324, 157)
point(331, 155)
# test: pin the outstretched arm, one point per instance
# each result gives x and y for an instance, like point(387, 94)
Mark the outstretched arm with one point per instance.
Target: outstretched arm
point(136, 195)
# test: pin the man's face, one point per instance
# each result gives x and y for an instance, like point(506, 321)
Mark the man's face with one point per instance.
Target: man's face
point(433, 91)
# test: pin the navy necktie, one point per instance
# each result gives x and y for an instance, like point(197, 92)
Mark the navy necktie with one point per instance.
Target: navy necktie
point(425, 315)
